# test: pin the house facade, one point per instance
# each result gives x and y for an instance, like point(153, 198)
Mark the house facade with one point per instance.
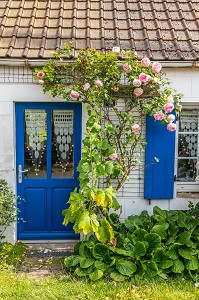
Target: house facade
point(40, 143)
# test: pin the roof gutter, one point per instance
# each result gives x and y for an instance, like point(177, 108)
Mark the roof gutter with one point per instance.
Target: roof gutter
point(42, 62)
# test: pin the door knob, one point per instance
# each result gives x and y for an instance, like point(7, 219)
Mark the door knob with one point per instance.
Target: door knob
point(20, 172)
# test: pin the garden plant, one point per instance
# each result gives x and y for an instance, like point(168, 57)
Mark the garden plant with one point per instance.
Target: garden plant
point(118, 91)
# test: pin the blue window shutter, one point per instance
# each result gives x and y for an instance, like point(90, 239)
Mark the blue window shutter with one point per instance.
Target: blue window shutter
point(159, 177)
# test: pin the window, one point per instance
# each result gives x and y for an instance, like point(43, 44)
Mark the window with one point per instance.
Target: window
point(188, 151)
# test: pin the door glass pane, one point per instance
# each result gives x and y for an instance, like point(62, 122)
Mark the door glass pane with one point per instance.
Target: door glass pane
point(188, 145)
point(35, 127)
point(187, 170)
point(62, 146)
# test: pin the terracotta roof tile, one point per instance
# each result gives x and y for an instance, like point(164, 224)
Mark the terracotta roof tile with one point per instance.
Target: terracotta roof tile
point(160, 29)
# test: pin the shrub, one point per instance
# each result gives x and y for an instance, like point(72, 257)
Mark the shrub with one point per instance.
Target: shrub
point(8, 210)
point(163, 244)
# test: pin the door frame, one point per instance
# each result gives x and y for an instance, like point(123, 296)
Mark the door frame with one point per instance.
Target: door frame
point(19, 156)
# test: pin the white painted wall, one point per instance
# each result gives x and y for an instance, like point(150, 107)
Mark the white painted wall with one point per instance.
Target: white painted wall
point(131, 198)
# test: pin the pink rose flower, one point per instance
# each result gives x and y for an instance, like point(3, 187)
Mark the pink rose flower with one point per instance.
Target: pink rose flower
point(74, 94)
point(113, 156)
point(98, 83)
point(144, 77)
point(135, 127)
point(86, 86)
point(170, 99)
point(156, 67)
point(138, 92)
point(168, 107)
point(137, 82)
point(127, 68)
point(171, 127)
point(145, 62)
point(156, 80)
point(40, 75)
point(171, 118)
point(158, 116)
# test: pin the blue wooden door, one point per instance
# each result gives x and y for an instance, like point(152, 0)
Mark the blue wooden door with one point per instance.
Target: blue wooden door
point(48, 149)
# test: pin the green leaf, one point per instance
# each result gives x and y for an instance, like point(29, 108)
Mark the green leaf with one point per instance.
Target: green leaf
point(72, 261)
point(163, 275)
point(116, 276)
point(105, 231)
point(192, 264)
point(100, 265)
point(173, 252)
point(139, 233)
point(185, 253)
point(173, 229)
point(109, 167)
point(150, 268)
point(160, 230)
point(101, 251)
point(166, 264)
point(126, 267)
point(84, 222)
point(154, 241)
point(128, 246)
point(178, 266)
point(94, 222)
point(86, 262)
point(121, 251)
point(160, 255)
point(158, 211)
point(183, 220)
point(183, 238)
point(80, 272)
point(97, 274)
point(139, 250)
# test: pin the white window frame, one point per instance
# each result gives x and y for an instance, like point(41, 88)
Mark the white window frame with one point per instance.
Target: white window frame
point(184, 186)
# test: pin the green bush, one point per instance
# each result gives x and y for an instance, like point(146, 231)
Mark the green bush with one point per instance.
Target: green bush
point(163, 244)
point(12, 255)
point(8, 210)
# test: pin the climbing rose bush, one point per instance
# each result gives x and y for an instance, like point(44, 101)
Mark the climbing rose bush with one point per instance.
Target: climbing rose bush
point(117, 99)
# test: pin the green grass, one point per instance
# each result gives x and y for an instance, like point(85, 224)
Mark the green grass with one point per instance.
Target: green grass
point(17, 287)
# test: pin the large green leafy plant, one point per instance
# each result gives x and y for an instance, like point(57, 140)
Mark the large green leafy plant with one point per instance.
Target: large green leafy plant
point(117, 97)
point(144, 246)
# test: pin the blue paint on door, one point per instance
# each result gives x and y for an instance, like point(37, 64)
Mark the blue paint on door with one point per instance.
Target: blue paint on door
point(43, 199)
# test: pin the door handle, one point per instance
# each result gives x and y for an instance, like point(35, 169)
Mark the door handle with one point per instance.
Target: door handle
point(20, 172)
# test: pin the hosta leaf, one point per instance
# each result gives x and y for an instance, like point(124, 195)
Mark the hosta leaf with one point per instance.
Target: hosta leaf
point(170, 241)
point(140, 250)
point(159, 211)
point(100, 251)
point(80, 272)
point(173, 252)
point(118, 277)
point(72, 261)
point(140, 233)
point(183, 238)
point(126, 267)
point(160, 230)
point(154, 241)
point(166, 264)
point(178, 266)
point(173, 229)
point(105, 231)
point(183, 220)
point(100, 265)
point(121, 251)
point(128, 246)
point(86, 262)
point(192, 264)
point(160, 255)
point(185, 253)
point(97, 274)
point(150, 268)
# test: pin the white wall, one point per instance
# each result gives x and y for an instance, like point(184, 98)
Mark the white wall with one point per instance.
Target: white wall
point(131, 198)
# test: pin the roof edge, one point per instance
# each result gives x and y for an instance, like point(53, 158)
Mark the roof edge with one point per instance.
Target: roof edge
point(41, 62)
